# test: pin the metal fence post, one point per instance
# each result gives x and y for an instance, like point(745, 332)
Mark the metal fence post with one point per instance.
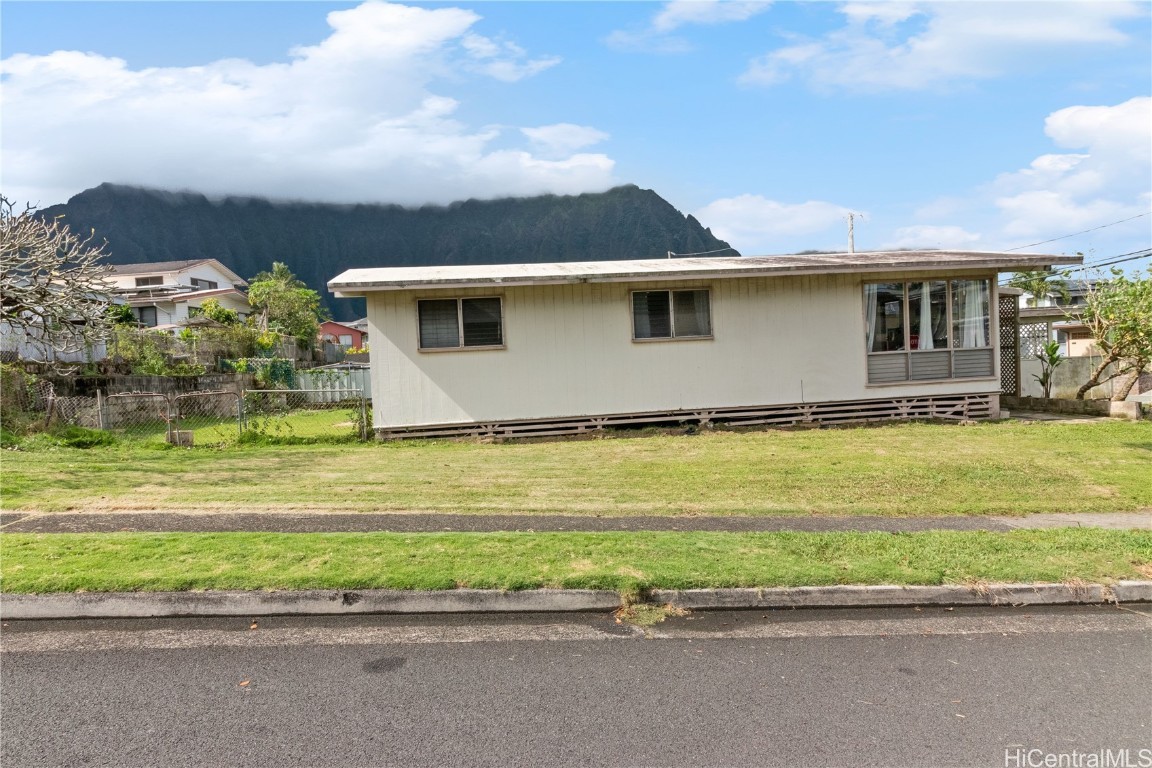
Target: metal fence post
point(363, 417)
point(101, 417)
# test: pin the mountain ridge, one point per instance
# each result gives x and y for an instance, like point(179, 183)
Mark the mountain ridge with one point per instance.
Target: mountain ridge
point(320, 240)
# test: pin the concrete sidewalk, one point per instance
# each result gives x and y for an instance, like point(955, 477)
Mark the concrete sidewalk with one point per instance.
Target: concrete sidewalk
point(179, 522)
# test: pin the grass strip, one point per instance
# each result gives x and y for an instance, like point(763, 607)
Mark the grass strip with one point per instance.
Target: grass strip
point(898, 470)
point(38, 563)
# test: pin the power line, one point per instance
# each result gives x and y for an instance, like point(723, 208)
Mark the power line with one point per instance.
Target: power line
point(1107, 262)
point(1093, 229)
point(1142, 255)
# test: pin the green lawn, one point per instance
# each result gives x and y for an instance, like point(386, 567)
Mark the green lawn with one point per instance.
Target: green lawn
point(904, 469)
point(623, 561)
point(303, 426)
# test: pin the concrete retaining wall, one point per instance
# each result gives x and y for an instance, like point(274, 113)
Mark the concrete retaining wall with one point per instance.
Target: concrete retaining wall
point(1130, 409)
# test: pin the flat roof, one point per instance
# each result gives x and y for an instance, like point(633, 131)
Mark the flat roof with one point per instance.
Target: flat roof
point(357, 282)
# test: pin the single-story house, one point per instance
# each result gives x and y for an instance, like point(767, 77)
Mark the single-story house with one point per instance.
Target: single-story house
point(559, 348)
point(170, 292)
point(343, 334)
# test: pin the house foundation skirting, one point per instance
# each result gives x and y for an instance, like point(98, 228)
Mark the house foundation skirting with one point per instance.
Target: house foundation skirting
point(982, 405)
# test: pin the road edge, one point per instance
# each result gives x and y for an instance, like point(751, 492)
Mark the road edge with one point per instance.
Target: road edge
point(119, 605)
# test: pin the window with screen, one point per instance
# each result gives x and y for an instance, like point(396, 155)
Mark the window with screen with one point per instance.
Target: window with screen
point(461, 323)
point(928, 330)
point(671, 315)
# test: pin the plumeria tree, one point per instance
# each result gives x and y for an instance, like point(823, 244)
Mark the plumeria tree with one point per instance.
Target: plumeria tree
point(53, 286)
point(1118, 313)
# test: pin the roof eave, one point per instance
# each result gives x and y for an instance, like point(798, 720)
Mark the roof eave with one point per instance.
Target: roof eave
point(359, 289)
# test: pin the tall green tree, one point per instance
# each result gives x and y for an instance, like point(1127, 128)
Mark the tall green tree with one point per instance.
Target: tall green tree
point(1118, 312)
point(1039, 283)
point(285, 304)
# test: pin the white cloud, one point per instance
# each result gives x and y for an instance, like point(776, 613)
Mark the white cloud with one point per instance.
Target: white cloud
point(1104, 177)
point(656, 37)
point(1107, 182)
point(929, 236)
point(352, 118)
point(755, 225)
point(680, 12)
point(921, 45)
point(1059, 193)
point(563, 138)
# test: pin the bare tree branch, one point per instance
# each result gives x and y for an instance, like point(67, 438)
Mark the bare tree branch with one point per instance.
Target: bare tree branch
point(53, 287)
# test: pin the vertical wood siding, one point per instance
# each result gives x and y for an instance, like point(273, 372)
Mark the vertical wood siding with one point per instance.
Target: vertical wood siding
point(569, 352)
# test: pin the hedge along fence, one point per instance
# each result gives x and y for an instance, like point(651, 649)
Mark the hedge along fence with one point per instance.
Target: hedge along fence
point(267, 372)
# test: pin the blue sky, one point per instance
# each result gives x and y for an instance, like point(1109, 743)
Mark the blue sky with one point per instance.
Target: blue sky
point(981, 125)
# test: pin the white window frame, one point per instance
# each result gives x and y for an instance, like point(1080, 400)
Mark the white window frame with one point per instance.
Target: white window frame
point(460, 347)
point(671, 315)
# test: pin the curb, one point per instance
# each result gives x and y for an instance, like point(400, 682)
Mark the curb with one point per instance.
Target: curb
point(125, 605)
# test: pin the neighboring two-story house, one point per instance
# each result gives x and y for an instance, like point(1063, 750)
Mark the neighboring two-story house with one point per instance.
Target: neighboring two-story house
point(1056, 316)
point(167, 294)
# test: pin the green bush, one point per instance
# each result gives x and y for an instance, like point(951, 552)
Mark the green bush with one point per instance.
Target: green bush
point(17, 416)
point(71, 436)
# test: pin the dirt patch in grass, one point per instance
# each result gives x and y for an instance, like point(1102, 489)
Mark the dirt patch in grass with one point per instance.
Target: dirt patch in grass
point(647, 614)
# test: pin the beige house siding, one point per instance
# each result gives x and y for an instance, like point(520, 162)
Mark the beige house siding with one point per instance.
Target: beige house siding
point(569, 352)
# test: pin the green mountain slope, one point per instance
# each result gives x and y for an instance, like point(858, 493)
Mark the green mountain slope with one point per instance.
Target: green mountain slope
point(318, 241)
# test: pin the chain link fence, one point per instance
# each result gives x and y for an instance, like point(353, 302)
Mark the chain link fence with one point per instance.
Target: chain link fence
point(305, 415)
point(196, 418)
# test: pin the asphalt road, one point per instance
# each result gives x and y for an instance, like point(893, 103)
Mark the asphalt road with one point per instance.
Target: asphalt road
point(853, 687)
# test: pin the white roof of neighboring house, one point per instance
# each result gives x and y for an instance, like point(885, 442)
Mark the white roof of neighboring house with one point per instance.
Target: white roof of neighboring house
point(165, 267)
point(355, 282)
point(178, 298)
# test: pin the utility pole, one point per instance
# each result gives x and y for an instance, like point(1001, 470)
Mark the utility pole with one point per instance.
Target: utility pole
point(852, 230)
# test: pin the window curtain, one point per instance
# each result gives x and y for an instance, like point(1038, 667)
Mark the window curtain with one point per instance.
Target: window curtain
point(926, 317)
point(691, 313)
point(871, 291)
point(973, 305)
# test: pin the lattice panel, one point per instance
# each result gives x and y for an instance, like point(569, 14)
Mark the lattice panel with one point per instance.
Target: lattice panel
point(1033, 337)
point(1009, 345)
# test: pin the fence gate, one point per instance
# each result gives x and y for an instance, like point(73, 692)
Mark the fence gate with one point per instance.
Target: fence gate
point(138, 416)
point(213, 417)
point(1009, 346)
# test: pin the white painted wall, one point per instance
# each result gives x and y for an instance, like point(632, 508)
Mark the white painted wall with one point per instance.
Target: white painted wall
point(205, 271)
point(569, 352)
